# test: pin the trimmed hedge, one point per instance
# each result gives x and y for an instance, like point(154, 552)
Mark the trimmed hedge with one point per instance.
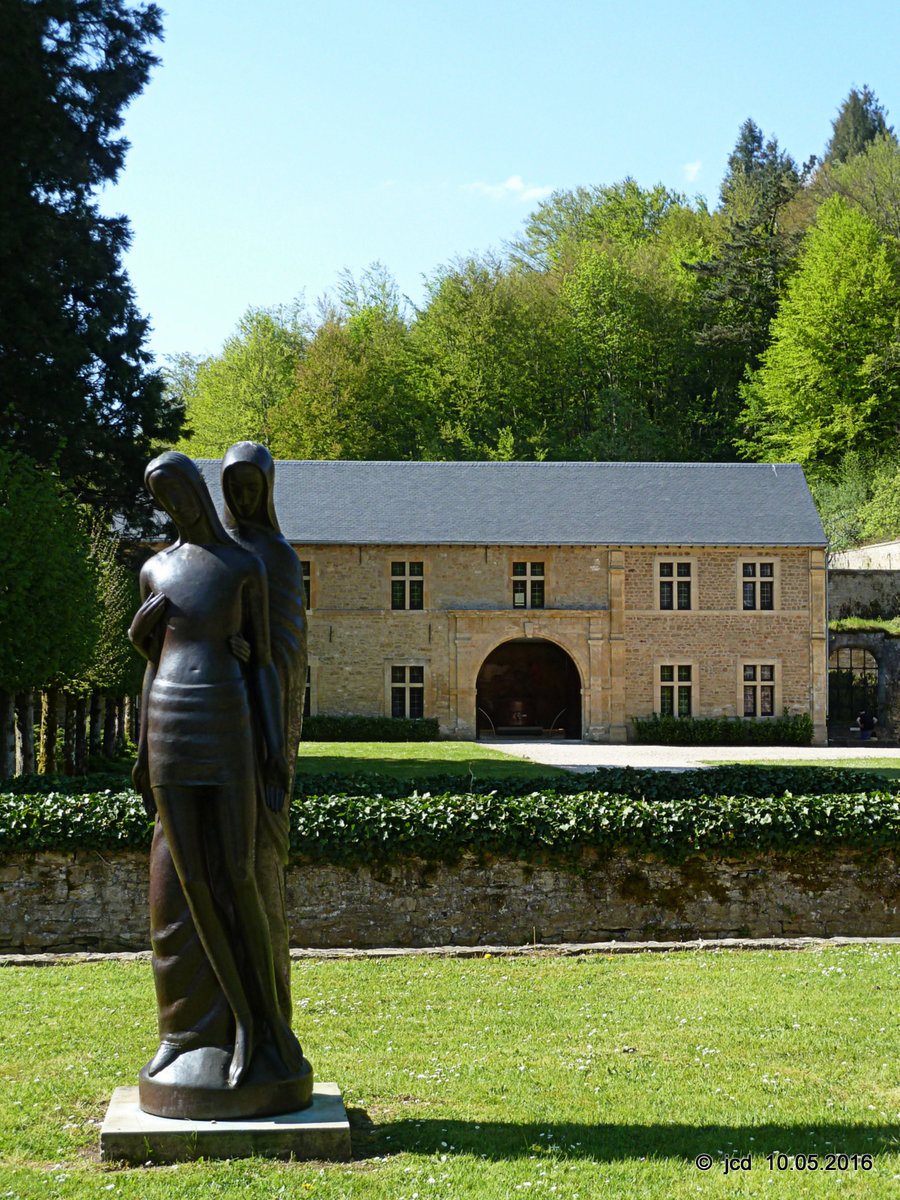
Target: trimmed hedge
point(672, 815)
point(735, 779)
point(370, 729)
point(786, 730)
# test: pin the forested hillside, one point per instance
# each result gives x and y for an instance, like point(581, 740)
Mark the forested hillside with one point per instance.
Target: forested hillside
point(622, 323)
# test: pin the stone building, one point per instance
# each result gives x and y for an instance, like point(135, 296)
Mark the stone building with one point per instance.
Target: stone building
point(562, 596)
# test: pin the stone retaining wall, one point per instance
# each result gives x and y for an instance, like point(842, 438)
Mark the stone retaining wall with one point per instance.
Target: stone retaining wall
point(859, 593)
point(91, 901)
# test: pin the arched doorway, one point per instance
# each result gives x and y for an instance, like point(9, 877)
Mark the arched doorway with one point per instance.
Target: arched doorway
point(529, 687)
point(852, 683)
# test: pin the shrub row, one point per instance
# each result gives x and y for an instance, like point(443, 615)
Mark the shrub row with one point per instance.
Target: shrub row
point(370, 729)
point(671, 818)
point(786, 730)
point(735, 779)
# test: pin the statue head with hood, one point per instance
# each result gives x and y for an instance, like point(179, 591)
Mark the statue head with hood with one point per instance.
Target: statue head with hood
point(248, 485)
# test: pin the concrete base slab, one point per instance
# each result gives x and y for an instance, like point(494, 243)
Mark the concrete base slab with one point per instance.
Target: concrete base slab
point(321, 1131)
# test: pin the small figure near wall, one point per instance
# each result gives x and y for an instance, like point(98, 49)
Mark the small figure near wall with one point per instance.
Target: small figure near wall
point(866, 723)
point(210, 754)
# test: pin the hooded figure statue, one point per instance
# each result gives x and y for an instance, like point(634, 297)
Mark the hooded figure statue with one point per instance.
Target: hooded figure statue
point(210, 757)
point(248, 481)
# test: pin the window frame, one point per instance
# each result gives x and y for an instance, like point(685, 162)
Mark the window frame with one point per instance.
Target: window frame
point(530, 580)
point(758, 662)
point(407, 578)
point(662, 577)
point(307, 570)
point(424, 688)
point(677, 663)
point(756, 561)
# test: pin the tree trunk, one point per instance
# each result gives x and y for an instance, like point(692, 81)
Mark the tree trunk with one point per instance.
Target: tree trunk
point(81, 763)
point(7, 734)
point(69, 736)
point(120, 725)
point(47, 757)
point(96, 743)
point(109, 727)
point(25, 733)
point(134, 716)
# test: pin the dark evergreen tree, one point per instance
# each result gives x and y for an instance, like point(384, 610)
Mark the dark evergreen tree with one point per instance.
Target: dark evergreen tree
point(76, 388)
point(742, 282)
point(860, 120)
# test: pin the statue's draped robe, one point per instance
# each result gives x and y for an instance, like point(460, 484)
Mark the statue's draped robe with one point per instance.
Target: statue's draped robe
point(287, 631)
point(192, 1009)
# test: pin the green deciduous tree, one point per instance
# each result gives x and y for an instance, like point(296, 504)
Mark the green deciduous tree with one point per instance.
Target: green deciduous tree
point(870, 180)
point(242, 393)
point(830, 381)
point(621, 212)
point(357, 392)
point(492, 344)
point(75, 385)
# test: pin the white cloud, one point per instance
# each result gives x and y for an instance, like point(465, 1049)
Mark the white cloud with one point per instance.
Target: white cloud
point(692, 170)
point(515, 188)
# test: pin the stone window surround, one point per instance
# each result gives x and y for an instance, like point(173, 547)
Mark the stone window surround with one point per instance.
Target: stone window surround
point(760, 660)
point(676, 661)
point(756, 559)
point(675, 559)
point(389, 663)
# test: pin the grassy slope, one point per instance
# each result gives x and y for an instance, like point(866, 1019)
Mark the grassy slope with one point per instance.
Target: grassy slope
point(494, 1078)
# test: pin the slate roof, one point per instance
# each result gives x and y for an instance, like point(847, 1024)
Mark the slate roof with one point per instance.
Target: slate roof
point(541, 504)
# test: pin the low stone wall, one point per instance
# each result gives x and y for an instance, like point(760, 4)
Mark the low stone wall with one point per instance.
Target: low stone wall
point(91, 901)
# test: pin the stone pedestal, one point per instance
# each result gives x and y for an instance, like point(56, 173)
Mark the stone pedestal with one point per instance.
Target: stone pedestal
point(320, 1131)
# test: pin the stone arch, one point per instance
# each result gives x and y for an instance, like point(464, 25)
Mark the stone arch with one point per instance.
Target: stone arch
point(886, 652)
point(529, 685)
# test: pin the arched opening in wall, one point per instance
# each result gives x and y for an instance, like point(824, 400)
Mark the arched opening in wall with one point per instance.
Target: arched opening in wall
point(528, 688)
point(852, 683)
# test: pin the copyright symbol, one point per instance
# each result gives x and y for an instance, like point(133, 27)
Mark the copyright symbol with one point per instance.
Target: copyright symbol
point(703, 1161)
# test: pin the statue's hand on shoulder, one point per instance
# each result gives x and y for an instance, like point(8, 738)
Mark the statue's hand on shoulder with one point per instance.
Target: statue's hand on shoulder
point(239, 647)
point(276, 778)
point(146, 619)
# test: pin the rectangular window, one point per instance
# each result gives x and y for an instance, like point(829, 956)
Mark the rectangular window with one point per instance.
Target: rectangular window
point(759, 690)
point(408, 692)
point(676, 689)
point(758, 586)
point(528, 584)
point(407, 585)
point(675, 580)
point(306, 571)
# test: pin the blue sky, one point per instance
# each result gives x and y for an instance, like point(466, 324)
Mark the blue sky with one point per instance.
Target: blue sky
point(281, 142)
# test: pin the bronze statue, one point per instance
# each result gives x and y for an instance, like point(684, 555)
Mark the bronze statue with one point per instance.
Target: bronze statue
point(210, 756)
point(248, 481)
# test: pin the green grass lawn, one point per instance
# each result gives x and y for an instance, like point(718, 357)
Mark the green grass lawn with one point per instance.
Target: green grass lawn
point(889, 767)
point(497, 1078)
point(412, 760)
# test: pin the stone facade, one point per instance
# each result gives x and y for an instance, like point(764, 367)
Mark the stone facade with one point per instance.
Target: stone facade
point(67, 902)
point(601, 607)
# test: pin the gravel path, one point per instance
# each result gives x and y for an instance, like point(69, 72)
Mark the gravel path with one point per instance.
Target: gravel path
point(584, 756)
